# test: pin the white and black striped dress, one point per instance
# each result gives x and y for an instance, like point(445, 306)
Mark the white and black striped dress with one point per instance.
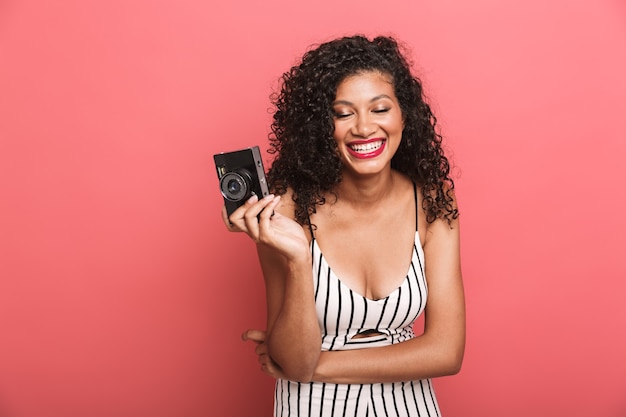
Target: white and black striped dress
point(343, 313)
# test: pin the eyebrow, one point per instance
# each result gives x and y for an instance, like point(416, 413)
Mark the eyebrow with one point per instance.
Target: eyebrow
point(349, 103)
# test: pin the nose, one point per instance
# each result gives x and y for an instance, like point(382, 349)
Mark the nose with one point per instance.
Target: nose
point(363, 126)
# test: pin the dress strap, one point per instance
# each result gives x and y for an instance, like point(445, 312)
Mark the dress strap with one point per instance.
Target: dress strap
point(310, 226)
point(416, 208)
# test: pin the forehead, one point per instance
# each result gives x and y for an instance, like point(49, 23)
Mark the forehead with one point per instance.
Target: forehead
point(365, 84)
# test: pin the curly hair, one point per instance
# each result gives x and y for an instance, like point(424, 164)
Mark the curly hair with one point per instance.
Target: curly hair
point(301, 139)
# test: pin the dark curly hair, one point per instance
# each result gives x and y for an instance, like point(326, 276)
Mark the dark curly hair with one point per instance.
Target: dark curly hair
point(301, 138)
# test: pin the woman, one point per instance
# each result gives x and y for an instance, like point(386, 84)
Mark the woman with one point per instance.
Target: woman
point(361, 195)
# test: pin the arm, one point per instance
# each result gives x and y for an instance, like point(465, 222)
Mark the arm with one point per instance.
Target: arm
point(293, 335)
point(439, 350)
point(293, 340)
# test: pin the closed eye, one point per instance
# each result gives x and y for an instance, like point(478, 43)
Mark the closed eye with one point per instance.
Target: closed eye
point(385, 110)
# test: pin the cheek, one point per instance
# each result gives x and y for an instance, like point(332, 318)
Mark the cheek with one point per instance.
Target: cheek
point(338, 133)
point(337, 138)
point(395, 126)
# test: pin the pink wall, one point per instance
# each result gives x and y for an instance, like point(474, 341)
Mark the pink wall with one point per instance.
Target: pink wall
point(121, 294)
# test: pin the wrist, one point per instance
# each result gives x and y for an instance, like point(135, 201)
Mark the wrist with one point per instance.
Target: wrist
point(300, 264)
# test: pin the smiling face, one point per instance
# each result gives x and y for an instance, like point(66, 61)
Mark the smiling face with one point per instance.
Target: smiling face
point(368, 122)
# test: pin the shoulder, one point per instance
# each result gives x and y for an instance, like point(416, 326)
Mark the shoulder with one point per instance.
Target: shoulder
point(444, 225)
point(287, 207)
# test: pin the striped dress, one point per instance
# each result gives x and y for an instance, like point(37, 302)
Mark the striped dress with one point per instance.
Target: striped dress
point(343, 313)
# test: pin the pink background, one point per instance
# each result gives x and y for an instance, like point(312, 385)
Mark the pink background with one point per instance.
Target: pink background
point(121, 293)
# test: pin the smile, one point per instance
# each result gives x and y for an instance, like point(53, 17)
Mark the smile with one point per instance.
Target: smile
point(367, 149)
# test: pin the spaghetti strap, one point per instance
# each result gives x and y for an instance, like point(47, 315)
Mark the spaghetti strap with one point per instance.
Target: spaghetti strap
point(310, 226)
point(416, 208)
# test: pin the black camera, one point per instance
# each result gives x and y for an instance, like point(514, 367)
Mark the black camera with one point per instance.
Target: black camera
point(241, 176)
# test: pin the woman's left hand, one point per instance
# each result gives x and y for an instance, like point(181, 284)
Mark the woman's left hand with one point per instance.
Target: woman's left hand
point(267, 364)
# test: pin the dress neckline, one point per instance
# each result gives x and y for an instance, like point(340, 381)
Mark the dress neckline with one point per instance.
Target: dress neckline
point(415, 253)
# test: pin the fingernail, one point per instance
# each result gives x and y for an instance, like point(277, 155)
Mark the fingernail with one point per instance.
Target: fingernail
point(253, 198)
point(269, 196)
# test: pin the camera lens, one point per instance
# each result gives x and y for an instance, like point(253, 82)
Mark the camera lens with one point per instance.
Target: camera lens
point(236, 185)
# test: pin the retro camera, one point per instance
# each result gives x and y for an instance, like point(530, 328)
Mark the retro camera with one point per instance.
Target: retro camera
point(241, 175)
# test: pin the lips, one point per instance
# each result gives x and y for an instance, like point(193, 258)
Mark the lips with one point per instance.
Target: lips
point(365, 149)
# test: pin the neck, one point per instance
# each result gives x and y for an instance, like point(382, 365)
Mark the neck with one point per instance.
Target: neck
point(365, 191)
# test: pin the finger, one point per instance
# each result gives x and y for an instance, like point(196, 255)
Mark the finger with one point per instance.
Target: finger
point(269, 210)
point(254, 335)
point(238, 220)
point(270, 368)
point(251, 216)
point(266, 216)
point(261, 349)
point(266, 362)
point(229, 225)
point(237, 217)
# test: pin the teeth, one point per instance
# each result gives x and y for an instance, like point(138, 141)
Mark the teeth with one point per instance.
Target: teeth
point(367, 147)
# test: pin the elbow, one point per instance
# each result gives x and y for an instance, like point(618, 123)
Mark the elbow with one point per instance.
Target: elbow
point(296, 361)
point(301, 369)
point(295, 364)
point(453, 363)
point(455, 367)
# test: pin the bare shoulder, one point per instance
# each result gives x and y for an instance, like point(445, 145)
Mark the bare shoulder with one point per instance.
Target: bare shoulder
point(442, 227)
point(287, 206)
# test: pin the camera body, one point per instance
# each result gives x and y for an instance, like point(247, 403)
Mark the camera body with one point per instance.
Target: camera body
point(241, 175)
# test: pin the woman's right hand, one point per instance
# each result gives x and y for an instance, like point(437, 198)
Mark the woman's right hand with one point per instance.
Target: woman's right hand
point(263, 222)
point(293, 340)
point(268, 366)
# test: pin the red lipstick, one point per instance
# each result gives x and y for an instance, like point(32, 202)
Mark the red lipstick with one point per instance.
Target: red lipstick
point(367, 154)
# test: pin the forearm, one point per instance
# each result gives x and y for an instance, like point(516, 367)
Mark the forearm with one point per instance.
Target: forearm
point(418, 358)
point(294, 340)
